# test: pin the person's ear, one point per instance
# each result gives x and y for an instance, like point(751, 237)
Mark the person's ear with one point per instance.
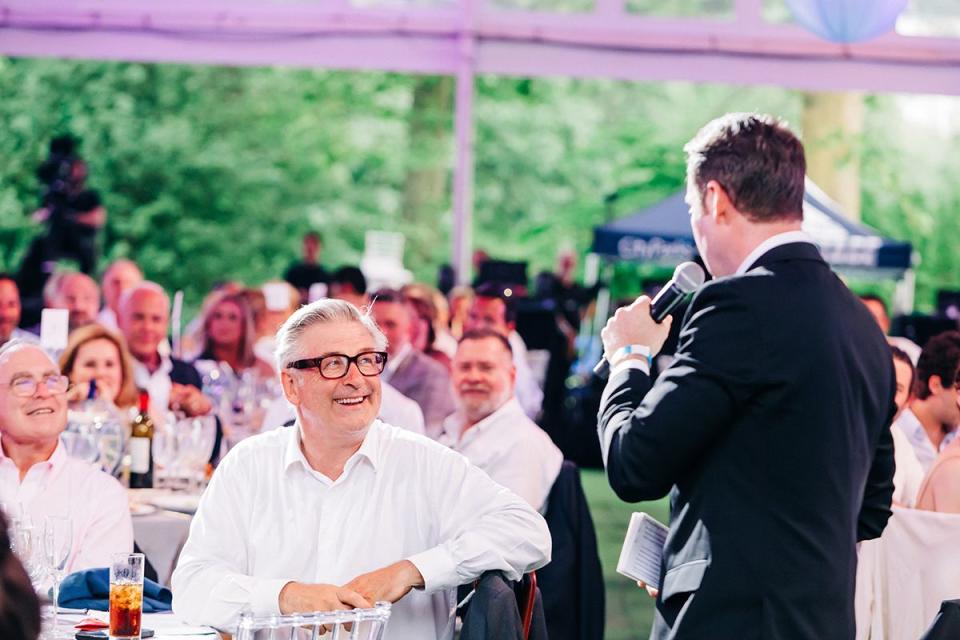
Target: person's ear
point(935, 384)
point(291, 388)
point(717, 203)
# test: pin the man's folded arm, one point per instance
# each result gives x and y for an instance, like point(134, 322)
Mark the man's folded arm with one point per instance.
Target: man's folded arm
point(483, 527)
point(651, 436)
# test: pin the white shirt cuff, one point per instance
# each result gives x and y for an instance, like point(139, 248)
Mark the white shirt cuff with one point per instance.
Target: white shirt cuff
point(438, 568)
point(265, 596)
point(632, 363)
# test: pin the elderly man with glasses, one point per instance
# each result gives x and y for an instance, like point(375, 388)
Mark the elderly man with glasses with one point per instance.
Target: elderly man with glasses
point(38, 478)
point(342, 510)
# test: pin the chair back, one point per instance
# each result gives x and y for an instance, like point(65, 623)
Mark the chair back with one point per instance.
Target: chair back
point(355, 624)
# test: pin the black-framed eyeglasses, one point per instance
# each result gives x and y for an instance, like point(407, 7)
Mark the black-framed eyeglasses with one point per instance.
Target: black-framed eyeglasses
point(26, 386)
point(336, 365)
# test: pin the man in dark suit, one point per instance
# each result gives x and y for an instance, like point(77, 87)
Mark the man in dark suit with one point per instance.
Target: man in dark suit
point(770, 428)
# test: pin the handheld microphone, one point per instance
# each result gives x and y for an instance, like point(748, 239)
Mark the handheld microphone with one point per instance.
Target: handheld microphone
point(687, 278)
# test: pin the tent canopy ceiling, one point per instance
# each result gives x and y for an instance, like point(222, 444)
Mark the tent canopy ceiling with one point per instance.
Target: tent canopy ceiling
point(660, 234)
point(605, 41)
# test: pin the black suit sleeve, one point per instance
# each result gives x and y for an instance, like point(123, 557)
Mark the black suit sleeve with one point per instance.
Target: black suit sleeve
point(650, 437)
point(878, 492)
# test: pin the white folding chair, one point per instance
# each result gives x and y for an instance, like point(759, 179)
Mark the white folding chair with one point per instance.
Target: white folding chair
point(356, 624)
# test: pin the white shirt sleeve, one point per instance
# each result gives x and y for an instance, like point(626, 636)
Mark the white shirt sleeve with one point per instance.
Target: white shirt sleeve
point(109, 531)
point(483, 526)
point(210, 585)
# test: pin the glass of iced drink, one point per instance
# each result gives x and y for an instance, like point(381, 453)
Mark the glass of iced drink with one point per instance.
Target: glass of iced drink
point(126, 596)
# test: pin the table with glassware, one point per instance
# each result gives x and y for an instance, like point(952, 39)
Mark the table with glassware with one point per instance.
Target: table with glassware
point(166, 626)
point(161, 523)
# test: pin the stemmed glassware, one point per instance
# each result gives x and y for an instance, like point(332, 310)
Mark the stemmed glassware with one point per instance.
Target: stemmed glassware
point(165, 451)
point(57, 542)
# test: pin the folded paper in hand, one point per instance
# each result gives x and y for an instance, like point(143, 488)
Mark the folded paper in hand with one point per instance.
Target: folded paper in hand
point(642, 552)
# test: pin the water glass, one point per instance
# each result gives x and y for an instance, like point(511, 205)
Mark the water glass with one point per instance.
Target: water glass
point(126, 596)
point(57, 542)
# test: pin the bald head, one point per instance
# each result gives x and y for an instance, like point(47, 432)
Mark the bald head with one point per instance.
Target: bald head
point(144, 314)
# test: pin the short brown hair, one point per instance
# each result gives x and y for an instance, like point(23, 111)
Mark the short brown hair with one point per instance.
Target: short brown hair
point(482, 334)
point(757, 160)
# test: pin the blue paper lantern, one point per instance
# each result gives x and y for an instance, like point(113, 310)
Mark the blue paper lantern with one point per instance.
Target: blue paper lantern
point(847, 20)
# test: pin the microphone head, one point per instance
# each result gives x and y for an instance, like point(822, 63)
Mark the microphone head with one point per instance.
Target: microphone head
point(688, 277)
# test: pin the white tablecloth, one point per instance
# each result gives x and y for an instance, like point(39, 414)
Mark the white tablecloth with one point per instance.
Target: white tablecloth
point(161, 535)
point(165, 625)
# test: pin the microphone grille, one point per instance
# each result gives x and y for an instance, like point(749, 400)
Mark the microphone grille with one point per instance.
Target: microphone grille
point(689, 276)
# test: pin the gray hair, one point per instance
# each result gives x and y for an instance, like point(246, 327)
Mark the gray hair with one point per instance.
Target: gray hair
point(144, 285)
point(18, 344)
point(324, 311)
point(56, 282)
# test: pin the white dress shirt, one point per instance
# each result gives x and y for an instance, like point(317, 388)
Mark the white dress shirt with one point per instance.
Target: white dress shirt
point(157, 384)
point(917, 436)
point(95, 503)
point(787, 237)
point(908, 475)
point(268, 518)
point(511, 448)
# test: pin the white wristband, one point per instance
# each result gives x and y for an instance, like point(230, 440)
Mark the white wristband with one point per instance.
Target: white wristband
point(629, 350)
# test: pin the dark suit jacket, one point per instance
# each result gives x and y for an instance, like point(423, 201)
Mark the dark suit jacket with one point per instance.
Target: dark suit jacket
point(572, 584)
point(770, 430)
point(493, 613)
point(426, 382)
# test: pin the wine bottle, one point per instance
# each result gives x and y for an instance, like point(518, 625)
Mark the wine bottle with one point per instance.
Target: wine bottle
point(141, 446)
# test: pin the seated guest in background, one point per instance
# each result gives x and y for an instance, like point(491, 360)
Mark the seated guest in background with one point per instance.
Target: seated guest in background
point(227, 336)
point(908, 475)
point(342, 510)
point(119, 276)
point(97, 353)
point(423, 336)
point(491, 309)
point(409, 371)
point(940, 490)
point(350, 285)
point(301, 275)
point(267, 321)
point(10, 312)
point(878, 309)
point(460, 301)
point(931, 419)
point(76, 292)
point(171, 383)
point(490, 428)
point(38, 478)
point(439, 311)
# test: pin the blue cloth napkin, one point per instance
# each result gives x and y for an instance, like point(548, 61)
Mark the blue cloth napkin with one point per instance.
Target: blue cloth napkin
point(90, 589)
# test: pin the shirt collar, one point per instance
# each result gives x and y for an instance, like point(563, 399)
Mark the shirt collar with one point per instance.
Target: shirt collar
point(56, 460)
point(141, 370)
point(787, 237)
point(453, 426)
point(370, 449)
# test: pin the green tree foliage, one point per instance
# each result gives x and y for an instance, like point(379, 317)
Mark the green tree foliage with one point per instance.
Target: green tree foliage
point(211, 172)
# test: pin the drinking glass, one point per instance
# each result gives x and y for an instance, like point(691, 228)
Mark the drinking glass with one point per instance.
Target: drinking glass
point(165, 452)
point(57, 542)
point(126, 596)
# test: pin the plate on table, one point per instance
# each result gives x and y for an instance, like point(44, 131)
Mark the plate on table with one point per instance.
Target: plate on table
point(141, 509)
point(180, 502)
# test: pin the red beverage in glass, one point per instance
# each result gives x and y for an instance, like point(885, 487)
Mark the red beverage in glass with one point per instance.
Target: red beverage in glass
point(126, 610)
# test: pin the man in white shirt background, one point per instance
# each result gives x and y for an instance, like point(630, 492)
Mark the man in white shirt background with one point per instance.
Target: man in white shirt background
point(10, 310)
point(76, 292)
point(144, 318)
point(490, 427)
point(930, 422)
point(342, 510)
point(491, 309)
point(38, 478)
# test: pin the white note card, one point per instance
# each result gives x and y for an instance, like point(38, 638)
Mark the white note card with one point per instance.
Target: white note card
point(276, 295)
point(54, 327)
point(642, 553)
point(318, 291)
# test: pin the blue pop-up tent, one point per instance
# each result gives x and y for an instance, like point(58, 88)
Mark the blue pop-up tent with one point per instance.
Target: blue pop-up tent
point(660, 234)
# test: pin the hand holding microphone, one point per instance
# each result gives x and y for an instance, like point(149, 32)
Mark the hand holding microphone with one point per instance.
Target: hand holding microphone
point(643, 321)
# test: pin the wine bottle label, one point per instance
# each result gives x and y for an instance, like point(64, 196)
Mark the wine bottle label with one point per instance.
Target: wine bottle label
point(139, 455)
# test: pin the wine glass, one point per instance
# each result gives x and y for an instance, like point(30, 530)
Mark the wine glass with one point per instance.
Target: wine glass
point(165, 451)
point(80, 443)
point(57, 542)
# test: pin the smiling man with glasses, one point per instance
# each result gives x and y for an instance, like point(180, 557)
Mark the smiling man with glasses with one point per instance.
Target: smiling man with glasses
point(343, 510)
point(38, 478)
